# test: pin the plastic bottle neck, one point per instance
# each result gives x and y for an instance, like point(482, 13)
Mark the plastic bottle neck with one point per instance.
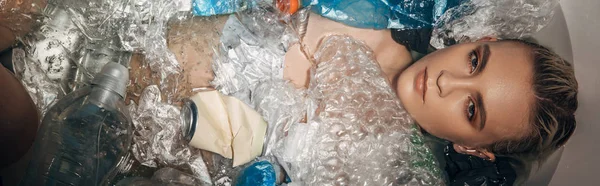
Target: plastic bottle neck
point(104, 98)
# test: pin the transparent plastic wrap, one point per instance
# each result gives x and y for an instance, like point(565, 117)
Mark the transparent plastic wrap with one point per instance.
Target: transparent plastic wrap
point(76, 38)
point(507, 19)
point(43, 91)
point(281, 105)
point(252, 50)
point(157, 138)
point(250, 68)
point(357, 131)
point(138, 26)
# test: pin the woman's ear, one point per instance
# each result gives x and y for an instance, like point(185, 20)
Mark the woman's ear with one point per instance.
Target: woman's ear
point(479, 152)
point(488, 39)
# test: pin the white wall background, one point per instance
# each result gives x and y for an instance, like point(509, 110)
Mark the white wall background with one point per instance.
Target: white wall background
point(580, 162)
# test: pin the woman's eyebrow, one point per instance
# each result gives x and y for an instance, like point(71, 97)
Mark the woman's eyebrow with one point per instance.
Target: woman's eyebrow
point(484, 57)
point(482, 112)
point(484, 60)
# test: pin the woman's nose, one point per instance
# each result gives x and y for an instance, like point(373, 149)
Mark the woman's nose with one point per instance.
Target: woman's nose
point(448, 83)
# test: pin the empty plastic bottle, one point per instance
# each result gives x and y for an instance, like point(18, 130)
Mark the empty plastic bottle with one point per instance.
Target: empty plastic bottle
point(85, 137)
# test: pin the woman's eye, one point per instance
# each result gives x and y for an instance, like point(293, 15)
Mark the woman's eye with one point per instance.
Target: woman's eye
point(474, 61)
point(470, 110)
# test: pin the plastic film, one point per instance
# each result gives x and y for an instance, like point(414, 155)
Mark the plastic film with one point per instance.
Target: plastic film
point(505, 19)
point(250, 52)
point(76, 38)
point(157, 138)
point(382, 14)
point(281, 105)
point(43, 91)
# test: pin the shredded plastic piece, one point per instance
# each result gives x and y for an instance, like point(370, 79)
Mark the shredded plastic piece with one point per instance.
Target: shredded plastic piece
point(509, 19)
point(157, 137)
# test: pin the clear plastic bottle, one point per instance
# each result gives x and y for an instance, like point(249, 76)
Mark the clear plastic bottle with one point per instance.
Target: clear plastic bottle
point(84, 139)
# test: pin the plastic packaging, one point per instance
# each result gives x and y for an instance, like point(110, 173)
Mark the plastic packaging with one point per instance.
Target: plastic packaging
point(382, 14)
point(218, 7)
point(251, 52)
point(157, 137)
point(505, 19)
point(85, 137)
point(260, 173)
point(282, 105)
point(74, 31)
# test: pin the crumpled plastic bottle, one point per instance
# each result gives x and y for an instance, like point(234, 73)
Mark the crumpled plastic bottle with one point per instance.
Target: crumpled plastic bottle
point(84, 139)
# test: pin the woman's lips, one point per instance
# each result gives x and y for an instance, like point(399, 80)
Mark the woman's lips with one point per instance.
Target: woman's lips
point(420, 84)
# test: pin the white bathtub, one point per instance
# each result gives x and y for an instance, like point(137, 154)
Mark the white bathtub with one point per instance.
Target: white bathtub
point(572, 34)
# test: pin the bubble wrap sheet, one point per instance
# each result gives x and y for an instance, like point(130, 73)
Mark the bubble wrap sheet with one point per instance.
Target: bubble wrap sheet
point(157, 138)
point(509, 19)
point(357, 132)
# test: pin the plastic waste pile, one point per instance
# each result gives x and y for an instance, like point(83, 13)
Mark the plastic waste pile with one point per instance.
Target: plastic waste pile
point(318, 136)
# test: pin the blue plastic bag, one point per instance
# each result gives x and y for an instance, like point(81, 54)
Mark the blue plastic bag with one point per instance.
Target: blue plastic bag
point(219, 7)
point(382, 14)
point(260, 173)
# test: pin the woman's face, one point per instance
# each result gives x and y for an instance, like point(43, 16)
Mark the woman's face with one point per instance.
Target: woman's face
point(472, 94)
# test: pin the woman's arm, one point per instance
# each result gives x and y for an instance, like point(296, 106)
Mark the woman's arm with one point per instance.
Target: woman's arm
point(193, 43)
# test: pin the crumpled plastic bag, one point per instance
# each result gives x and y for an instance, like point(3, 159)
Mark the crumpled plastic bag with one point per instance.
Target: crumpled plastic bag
point(157, 136)
point(382, 14)
point(250, 52)
point(219, 7)
point(505, 19)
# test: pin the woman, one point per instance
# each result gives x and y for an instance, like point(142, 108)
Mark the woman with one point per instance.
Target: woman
point(490, 97)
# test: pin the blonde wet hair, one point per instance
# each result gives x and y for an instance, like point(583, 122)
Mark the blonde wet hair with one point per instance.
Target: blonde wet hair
point(553, 120)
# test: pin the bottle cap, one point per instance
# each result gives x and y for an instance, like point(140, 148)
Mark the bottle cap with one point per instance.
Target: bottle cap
point(113, 77)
